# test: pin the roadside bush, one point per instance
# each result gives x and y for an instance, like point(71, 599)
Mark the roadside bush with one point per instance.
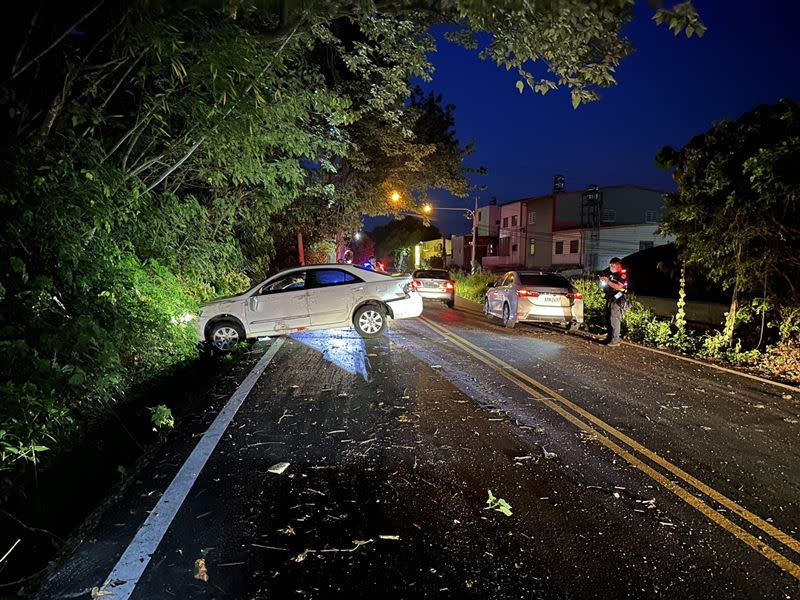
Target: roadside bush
point(473, 286)
point(783, 360)
point(593, 303)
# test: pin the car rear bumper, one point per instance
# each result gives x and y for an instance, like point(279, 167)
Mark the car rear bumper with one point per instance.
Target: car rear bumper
point(548, 314)
point(406, 308)
point(434, 294)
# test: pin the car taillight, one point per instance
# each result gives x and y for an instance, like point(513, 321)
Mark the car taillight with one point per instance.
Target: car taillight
point(450, 285)
point(527, 294)
point(576, 296)
point(416, 283)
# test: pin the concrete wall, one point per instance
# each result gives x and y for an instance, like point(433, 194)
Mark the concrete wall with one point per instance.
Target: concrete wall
point(538, 226)
point(489, 220)
point(709, 313)
point(567, 257)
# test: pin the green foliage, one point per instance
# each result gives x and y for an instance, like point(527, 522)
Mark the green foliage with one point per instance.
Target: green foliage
point(161, 416)
point(594, 303)
point(473, 286)
point(737, 214)
point(399, 237)
point(498, 504)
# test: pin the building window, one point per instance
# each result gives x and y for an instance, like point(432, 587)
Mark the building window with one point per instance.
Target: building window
point(609, 215)
point(559, 247)
point(505, 221)
point(651, 216)
point(573, 246)
point(514, 248)
point(645, 245)
point(479, 216)
point(497, 222)
point(532, 247)
point(514, 220)
point(531, 217)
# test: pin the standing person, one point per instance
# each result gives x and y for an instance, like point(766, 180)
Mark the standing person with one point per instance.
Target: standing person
point(615, 286)
point(371, 264)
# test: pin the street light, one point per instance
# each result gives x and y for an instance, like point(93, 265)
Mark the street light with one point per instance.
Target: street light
point(357, 236)
point(470, 214)
point(395, 197)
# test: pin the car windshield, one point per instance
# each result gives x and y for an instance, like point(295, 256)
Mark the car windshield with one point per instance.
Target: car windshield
point(545, 281)
point(432, 274)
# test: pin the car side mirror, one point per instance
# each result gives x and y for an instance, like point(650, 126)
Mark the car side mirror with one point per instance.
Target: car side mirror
point(491, 284)
point(252, 302)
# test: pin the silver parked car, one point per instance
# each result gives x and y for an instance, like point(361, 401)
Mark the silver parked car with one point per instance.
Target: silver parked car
point(435, 284)
point(309, 298)
point(534, 297)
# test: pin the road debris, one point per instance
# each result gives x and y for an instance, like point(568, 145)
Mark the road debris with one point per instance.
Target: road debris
point(200, 570)
point(549, 455)
point(288, 530)
point(389, 537)
point(98, 593)
point(278, 468)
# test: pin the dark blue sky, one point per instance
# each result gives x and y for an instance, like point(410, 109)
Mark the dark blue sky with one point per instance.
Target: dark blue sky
point(670, 89)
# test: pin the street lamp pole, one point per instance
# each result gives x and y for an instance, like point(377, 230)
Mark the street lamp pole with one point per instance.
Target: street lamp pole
point(473, 263)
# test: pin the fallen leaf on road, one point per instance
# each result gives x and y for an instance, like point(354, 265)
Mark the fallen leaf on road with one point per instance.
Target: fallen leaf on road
point(759, 406)
point(498, 504)
point(98, 593)
point(288, 530)
point(436, 366)
point(278, 468)
point(200, 571)
point(389, 537)
point(549, 455)
point(787, 396)
point(790, 420)
point(526, 457)
point(342, 394)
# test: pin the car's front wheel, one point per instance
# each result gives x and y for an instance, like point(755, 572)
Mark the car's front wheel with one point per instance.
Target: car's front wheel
point(370, 321)
point(224, 336)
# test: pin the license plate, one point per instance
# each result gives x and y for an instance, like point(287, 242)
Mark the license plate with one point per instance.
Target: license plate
point(551, 298)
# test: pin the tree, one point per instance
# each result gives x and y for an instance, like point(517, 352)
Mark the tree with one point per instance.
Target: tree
point(737, 212)
point(397, 239)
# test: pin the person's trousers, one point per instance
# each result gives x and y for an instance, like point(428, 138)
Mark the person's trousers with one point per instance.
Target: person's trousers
point(613, 321)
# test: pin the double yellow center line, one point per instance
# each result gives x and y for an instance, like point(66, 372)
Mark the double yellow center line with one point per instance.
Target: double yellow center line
point(635, 455)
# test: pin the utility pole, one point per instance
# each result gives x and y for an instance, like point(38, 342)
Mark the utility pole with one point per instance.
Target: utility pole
point(300, 251)
point(473, 262)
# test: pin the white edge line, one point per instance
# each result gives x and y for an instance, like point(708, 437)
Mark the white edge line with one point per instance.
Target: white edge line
point(133, 562)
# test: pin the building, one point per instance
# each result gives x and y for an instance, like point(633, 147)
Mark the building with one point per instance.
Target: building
point(577, 230)
point(433, 252)
point(489, 219)
point(462, 250)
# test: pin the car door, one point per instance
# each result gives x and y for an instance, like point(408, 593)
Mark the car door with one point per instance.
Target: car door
point(332, 294)
point(500, 293)
point(280, 306)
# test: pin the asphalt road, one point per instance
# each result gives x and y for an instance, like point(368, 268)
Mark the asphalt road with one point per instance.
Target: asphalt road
point(628, 474)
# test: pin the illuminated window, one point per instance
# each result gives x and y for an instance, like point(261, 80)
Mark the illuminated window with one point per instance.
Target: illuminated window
point(532, 247)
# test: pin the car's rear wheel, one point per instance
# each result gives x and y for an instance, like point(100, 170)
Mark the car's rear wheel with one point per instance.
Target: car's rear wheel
point(507, 321)
point(450, 303)
point(486, 312)
point(224, 336)
point(572, 326)
point(370, 321)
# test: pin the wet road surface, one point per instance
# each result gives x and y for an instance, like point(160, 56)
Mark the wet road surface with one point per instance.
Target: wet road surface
point(628, 474)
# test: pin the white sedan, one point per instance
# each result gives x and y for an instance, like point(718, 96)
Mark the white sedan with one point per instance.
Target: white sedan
point(534, 297)
point(309, 298)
